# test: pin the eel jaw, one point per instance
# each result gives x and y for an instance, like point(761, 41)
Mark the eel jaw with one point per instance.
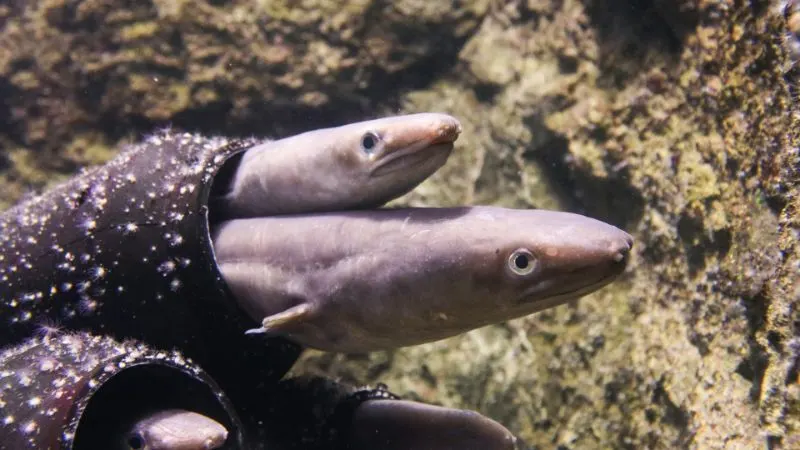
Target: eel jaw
point(413, 157)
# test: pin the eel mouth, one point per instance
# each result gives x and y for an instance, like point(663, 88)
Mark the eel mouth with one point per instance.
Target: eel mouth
point(602, 276)
point(431, 147)
point(413, 156)
point(569, 294)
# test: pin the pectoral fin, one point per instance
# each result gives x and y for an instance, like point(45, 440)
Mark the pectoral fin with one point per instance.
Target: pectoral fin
point(284, 320)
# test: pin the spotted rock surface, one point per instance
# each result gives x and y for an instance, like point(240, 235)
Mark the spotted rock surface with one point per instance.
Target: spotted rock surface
point(49, 384)
point(134, 221)
point(128, 254)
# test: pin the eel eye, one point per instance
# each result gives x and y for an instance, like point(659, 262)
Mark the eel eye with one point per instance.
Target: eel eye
point(136, 441)
point(522, 262)
point(369, 142)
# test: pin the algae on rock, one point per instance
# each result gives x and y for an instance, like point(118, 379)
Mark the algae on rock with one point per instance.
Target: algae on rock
point(674, 120)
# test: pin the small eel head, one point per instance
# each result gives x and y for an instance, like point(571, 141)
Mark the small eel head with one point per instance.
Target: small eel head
point(527, 261)
point(355, 166)
point(398, 143)
point(388, 157)
point(455, 270)
point(175, 429)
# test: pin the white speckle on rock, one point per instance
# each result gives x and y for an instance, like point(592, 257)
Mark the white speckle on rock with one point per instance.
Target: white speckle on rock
point(87, 306)
point(130, 228)
point(176, 240)
point(166, 267)
point(30, 427)
point(97, 272)
point(47, 365)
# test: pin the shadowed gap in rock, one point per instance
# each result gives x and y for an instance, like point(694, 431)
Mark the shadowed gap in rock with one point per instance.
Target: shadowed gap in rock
point(610, 199)
point(631, 33)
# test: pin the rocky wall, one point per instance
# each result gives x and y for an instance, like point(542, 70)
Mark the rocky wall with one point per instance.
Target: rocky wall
point(672, 119)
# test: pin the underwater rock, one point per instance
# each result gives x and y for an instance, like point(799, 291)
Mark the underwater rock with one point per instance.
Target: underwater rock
point(674, 119)
point(131, 257)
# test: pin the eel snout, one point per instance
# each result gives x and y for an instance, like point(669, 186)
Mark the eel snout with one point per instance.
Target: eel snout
point(415, 145)
point(583, 255)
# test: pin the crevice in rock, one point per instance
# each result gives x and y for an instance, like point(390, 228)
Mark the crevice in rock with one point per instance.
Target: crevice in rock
point(698, 242)
point(486, 92)
point(672, 414)
point(753, 367)
point(612, 199)
point(631, 33)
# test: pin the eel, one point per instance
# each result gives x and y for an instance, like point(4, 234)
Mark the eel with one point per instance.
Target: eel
point(380, 279)
point(174, 429)
point(360, 165)
point(375, 419)
point(402, 425)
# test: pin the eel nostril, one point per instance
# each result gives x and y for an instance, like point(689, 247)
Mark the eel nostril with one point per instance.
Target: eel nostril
point(622, 249)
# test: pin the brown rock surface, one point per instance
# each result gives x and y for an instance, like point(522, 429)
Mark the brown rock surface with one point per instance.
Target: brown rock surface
point(674, 120)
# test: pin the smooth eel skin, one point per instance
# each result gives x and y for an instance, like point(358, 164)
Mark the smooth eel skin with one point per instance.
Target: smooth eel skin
point(401, 425)
point(359, 165)
point(368, 280)
point(175, 429)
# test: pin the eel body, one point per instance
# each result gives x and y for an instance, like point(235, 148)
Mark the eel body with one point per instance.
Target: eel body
point(403, 425)
point(381, 279)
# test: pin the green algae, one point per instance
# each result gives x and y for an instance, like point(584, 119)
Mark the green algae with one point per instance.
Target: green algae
point(138, 31)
